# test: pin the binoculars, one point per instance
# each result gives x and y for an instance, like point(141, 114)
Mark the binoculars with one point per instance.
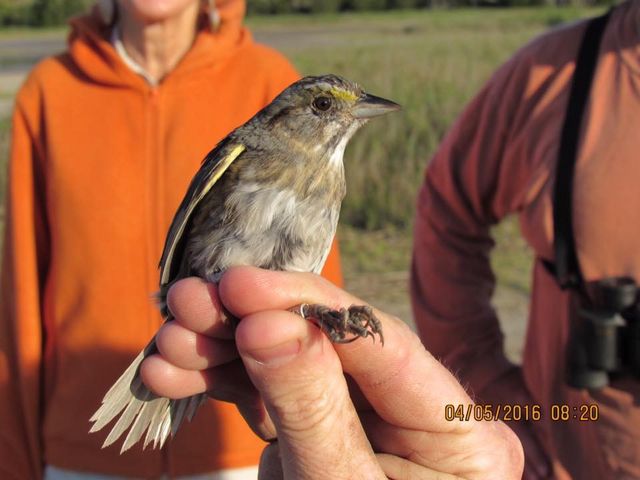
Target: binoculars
point(606, 338)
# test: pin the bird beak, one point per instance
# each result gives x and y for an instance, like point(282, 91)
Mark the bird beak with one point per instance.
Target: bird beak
point(369, 106)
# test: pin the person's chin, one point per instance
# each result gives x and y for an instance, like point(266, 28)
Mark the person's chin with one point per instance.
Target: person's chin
point(154, 11)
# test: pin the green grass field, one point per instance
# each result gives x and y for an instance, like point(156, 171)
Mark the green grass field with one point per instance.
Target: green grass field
point(431, 62)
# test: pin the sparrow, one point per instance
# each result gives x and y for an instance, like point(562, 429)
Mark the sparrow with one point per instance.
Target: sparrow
point(268, 195)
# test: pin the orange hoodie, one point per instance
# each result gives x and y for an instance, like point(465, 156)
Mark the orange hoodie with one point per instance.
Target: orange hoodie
point(99, 162)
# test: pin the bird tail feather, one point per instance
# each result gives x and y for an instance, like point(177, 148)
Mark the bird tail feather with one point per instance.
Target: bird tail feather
point(141, 410)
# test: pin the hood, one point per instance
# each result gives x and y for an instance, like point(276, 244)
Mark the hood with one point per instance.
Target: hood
point(91, 50)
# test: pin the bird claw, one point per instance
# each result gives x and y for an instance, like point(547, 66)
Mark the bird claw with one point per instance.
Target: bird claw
point(346, 324)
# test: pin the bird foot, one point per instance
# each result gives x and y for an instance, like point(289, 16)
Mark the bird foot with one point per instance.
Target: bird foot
point(344, 325)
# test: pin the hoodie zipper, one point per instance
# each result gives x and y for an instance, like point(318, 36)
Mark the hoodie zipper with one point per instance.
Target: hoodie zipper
point(155, 187)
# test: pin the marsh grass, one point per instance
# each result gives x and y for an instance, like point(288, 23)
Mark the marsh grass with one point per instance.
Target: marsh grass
point(432, 63)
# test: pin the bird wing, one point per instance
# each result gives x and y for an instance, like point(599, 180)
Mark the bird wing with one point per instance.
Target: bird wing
point(213, 166)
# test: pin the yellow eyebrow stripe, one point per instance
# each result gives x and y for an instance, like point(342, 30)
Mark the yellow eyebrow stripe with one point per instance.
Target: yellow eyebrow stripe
point(343, 94)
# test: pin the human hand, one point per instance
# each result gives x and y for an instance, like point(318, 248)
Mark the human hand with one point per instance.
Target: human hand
point(330, 406)
point(509, 389)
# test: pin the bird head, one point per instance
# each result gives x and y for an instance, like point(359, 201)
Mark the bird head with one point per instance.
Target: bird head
point(320, 114)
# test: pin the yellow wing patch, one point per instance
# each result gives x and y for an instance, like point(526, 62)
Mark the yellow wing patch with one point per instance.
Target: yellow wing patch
point(216, 174)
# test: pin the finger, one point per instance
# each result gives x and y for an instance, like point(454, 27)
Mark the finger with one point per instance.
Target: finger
point(270, 463)
point(299, 376)
point(245, 290)
point(490, 447)
point(402, 442)
point(195, 305)
point(451, 452)
point(402, 469)
point(402, 365)
point(403, 382)
point(165, 379)
point(228, 382)
point(189, 350)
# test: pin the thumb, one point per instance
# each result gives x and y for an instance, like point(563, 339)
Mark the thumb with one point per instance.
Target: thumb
point(299, 375)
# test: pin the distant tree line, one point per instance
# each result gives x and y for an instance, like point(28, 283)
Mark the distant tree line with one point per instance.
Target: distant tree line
point(40, 13)
point(56, 12)
point(270, 7)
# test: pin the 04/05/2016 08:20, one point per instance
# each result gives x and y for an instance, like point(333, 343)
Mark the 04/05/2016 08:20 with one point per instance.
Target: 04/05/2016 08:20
point(518, 412)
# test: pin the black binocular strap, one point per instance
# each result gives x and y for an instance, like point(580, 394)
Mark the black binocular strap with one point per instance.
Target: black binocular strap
point(567, 268)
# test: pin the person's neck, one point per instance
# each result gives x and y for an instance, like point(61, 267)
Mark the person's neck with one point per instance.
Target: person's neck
point(158, 47)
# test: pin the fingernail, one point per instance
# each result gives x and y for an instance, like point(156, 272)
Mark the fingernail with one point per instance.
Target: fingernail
point(278, 354)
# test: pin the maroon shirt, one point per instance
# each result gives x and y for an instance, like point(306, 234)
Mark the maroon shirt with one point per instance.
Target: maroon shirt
point(499, 159)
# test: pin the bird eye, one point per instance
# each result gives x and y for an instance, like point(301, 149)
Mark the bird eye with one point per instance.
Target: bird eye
point(322, 103)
